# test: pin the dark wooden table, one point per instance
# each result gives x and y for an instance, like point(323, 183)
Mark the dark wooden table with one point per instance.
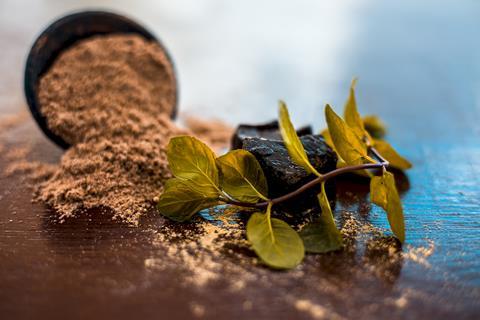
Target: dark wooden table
point(419, 69)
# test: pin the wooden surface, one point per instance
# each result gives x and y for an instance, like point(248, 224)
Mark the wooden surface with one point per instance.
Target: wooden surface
point(419, 69)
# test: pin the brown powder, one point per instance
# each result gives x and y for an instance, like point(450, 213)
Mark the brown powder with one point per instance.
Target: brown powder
point(110, 97)
point(9, 121)
point(215, 133)
point(119, 173)
point(202, 250)
point(17, 162)
point(107, 86)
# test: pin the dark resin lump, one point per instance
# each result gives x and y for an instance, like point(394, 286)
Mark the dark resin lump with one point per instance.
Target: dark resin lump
point(284, 176)
point(270, 130)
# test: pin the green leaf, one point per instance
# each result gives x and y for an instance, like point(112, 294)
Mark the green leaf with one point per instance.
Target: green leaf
point(321, 236)
point(340, 162)
point(347, 144)
point(181, 200)
point(387, 151)
point(192, 160)
point(374, 126)
point(292, 142)
point(241, 176)
point(274, 241)
point(383, 193)
point(351, 115)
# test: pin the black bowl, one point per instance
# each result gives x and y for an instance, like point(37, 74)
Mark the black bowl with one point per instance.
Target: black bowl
point(60, 35)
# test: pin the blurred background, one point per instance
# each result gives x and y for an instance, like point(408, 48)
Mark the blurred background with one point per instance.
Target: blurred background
point(235, 59)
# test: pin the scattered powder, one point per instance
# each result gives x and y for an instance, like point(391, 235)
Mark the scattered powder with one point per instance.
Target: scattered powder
point(37, 172)
point(401, 302)
point(10, 121)
point(16, 162)
point(216, 133)
point(198, 310)
point(352, 228)
point(238, 285)
point(316, 311)
point(204, 253)
point(420, 254)
point(207, 250)
point(200, 251)
point(247, 305)
point(17, 153)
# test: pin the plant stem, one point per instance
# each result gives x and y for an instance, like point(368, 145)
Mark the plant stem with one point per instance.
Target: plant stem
point(382, 164)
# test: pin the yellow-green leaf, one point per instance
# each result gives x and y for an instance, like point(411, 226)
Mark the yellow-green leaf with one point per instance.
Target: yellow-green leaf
point(347, 144)
point(322, 235)
point(340, 162)
point(292, 141)
point(351, 115)
point(241, 176)
point(387, 151)
point(192, 160)
point(383, 193)
point(180, 200)
point(374, 126)
point(274, 241)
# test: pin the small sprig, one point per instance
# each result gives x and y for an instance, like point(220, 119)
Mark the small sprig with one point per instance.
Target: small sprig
point(203, 180)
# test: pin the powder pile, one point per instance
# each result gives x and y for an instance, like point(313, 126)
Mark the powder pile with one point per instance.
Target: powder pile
point(110, 97)
point(121, 174)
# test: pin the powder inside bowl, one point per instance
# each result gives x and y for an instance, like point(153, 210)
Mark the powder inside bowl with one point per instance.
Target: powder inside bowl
point(111, 98)
point(107, 86)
